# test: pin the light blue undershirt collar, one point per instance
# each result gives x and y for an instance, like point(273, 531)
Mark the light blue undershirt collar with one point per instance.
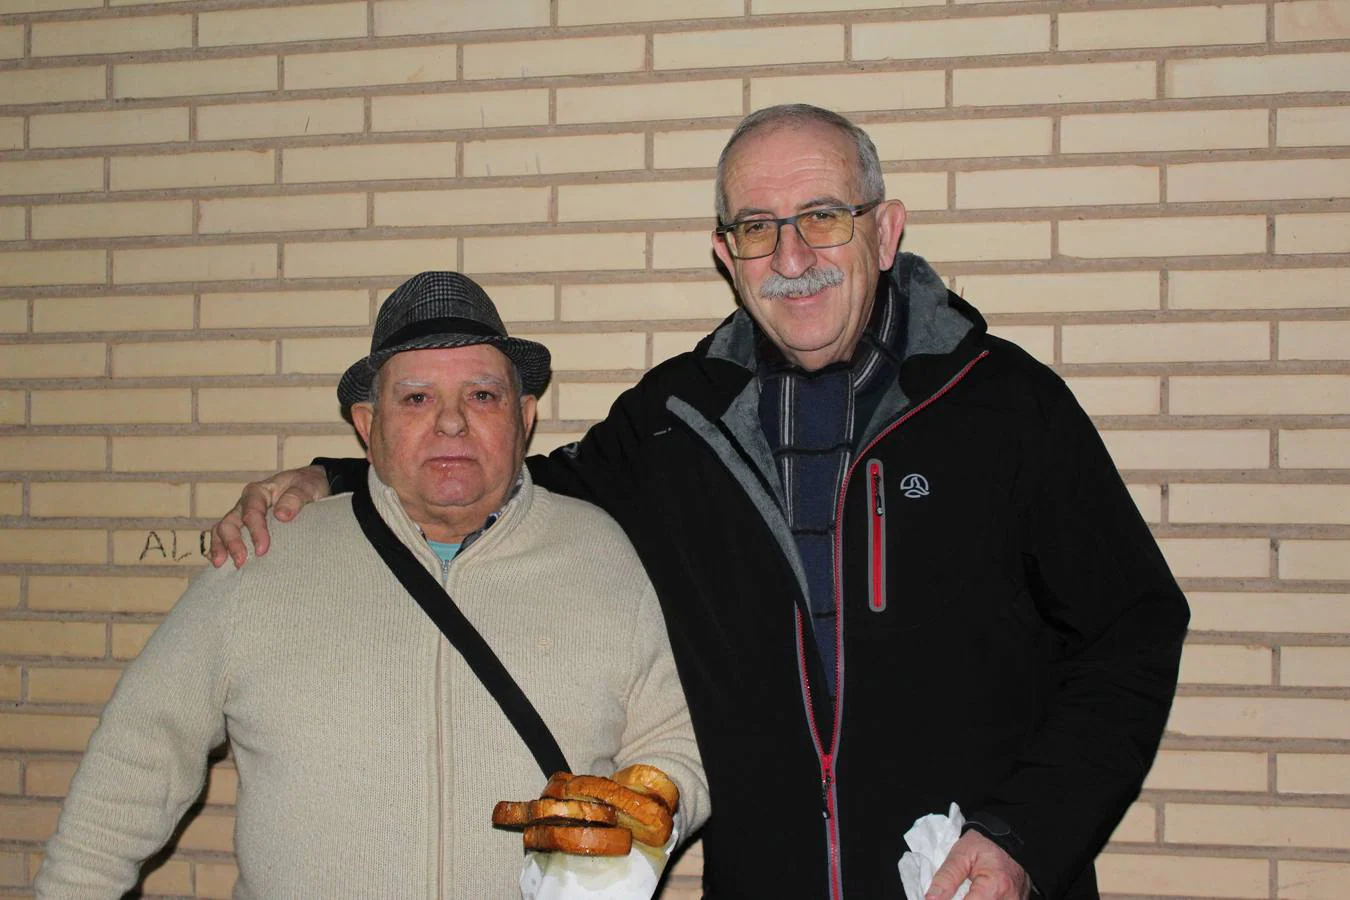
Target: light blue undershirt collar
point(446, 552)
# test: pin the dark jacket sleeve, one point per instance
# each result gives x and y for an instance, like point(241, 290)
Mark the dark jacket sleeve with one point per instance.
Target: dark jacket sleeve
point(598, 468)
point(1118, 620)
point(343, 474)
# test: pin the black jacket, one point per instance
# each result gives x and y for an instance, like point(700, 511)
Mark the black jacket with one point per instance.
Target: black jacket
point(1009, 632)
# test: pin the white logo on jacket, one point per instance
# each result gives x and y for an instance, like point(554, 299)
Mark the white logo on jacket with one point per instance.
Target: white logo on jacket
point(914, 485)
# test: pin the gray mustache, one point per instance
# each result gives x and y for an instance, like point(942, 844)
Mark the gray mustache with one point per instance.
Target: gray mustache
point(809, 282)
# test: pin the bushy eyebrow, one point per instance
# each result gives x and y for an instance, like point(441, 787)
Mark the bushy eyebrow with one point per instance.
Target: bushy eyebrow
point(491, 380)
point(813, 202)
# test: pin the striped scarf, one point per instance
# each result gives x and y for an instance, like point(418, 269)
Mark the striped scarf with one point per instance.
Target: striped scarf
point(812, 421)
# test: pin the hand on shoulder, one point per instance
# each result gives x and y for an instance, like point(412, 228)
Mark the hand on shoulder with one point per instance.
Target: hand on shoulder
point(285, 493)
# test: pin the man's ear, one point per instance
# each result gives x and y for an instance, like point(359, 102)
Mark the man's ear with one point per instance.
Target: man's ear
point(890, 225)
point(362, 415)
point(719, 243)
point(529, 406)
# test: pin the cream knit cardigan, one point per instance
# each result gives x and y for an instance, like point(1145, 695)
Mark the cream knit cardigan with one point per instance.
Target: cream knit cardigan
point(369, 755)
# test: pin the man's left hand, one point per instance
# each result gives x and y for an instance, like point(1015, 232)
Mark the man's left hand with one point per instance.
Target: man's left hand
point(993, 874)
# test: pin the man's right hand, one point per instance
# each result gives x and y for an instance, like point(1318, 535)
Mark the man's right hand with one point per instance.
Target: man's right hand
point(286, 491)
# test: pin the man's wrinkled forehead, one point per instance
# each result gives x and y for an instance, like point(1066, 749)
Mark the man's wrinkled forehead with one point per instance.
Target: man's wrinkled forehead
point(777, 148)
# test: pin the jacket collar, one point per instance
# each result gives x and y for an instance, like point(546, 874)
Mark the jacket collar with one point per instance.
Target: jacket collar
point(722, 407)
point(932, 338)
point(937, 320)
point(924, 324)
point(929, 323)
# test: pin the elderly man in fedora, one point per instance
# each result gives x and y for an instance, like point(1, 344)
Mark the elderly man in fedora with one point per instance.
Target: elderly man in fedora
point(369, 753)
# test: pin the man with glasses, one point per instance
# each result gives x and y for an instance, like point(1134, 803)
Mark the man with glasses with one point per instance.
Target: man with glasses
point(897, 566)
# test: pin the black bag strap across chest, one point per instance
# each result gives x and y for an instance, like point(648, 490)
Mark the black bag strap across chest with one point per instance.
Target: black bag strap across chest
point(441, 609)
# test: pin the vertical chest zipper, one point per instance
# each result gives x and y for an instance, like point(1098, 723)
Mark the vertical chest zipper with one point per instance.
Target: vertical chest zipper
point(876, 536)
point(876, 577)
point(826, 752)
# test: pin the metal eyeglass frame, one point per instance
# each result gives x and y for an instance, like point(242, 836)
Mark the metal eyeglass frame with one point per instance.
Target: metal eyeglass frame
point(855, 211)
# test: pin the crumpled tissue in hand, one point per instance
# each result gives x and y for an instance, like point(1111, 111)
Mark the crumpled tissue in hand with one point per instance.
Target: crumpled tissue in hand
point(561, 876)
point(930, 840)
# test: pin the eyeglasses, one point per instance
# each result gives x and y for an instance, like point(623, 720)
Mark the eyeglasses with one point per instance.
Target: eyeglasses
point(826, 226)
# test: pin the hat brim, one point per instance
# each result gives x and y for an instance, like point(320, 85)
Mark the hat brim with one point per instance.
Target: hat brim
point(532, 360)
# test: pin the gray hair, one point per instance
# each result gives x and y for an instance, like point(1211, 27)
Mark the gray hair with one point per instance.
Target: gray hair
point(513, 376)
point(870, 181)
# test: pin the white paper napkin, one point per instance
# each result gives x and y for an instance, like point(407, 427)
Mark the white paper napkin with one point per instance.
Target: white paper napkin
point(564, 876)
point(930, 839)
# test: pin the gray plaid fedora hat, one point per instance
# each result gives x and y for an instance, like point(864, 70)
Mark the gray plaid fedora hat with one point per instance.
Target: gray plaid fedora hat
point(434, 310)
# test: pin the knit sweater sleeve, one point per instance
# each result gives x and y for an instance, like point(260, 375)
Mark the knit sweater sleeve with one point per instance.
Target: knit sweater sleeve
point(146, 762)
point(658, 731)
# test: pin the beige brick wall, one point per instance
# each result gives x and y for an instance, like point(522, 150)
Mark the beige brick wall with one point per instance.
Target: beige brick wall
point(203, 202)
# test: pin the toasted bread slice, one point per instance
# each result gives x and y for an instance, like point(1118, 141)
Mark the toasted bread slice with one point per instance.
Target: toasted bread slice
point(648, 818)
point(651, 781)
point(511, 814)
point(554, 788)
point(570, 812)
point(584, 840)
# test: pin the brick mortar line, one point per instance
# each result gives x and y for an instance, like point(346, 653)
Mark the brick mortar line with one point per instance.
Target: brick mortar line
point(1271, 800)
point(706, 275)
point(1217, 369)
point(1334, 370)
point(665, 76)
point(1240, 102)
point(696, 124)
point(1254, 852)
point(135, 11)
point(1266, 639)
point(970, 61)
point(1058, 161)
point(843, 18)
point(211, 5)
point(1028, 216)
point(1067, 318)
point(1269, 532)
point(1234, 478)
point(602, 276)
point(1336, 694)
point(661, 178)
point(1253, 745)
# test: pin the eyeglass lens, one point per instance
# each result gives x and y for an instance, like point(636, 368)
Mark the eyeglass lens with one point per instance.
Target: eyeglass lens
point(819, 228)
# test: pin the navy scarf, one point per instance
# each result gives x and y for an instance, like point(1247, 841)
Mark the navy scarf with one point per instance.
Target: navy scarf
point(813, 421)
